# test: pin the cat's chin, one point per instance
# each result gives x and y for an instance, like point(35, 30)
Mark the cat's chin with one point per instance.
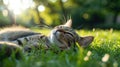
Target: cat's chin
point(53, 37)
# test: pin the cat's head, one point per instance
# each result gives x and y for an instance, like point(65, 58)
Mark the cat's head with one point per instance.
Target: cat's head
point(64, 36)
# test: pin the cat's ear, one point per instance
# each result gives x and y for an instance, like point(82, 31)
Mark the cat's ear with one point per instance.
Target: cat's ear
point(85, 41)
point(68, 23)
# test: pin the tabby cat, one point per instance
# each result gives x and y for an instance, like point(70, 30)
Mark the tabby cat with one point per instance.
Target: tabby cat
point(62, 36)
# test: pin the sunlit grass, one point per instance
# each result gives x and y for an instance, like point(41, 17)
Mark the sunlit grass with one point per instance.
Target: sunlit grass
point(103, 52)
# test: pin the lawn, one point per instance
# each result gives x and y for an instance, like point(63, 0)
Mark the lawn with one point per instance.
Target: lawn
point(103, 52)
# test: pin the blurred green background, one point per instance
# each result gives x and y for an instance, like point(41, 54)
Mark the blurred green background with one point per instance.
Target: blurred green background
point(86, 14)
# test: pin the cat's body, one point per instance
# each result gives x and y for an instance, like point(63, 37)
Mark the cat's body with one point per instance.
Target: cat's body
point(14, 32)
point(62, 36)
point(23, 37)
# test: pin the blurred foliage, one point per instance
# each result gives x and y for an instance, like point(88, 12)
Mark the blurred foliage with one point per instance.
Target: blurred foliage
point(4, 21)
point(113, 6)
point(85, 13)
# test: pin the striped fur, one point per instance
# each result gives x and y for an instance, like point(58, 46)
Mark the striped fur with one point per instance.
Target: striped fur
point(62, 36)
point(7, 49)
point(12, 33)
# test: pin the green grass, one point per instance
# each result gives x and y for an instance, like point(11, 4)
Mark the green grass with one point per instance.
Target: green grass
point(103, 52)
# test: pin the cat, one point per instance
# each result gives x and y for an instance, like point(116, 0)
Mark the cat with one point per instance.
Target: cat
point(7, 49)
point(62, 36)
